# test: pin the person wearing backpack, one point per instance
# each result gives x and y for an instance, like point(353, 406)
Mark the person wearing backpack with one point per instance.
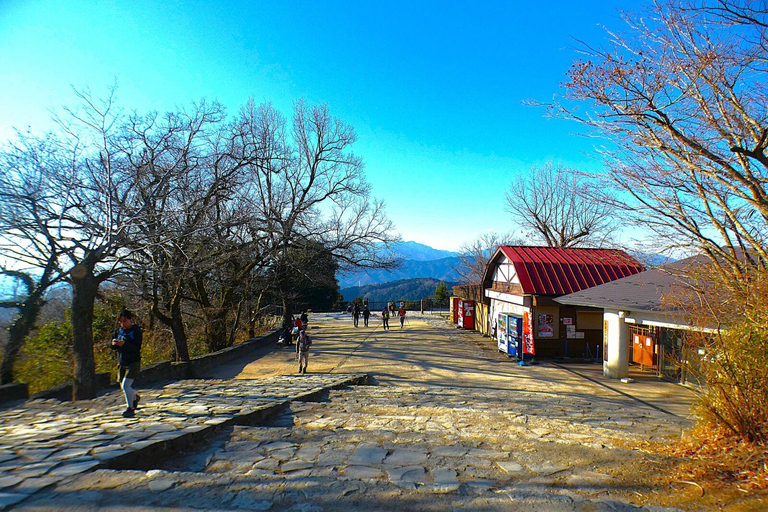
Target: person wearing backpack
point(302, 351)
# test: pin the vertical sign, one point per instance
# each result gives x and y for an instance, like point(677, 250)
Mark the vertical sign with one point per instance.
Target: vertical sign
point(528, 334)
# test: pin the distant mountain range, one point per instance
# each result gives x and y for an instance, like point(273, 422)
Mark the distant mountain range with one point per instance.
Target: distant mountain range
point(420, 252)
point(405, 289)
point(418, 261)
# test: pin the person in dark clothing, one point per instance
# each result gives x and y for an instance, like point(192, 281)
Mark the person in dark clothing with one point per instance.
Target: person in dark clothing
point(304, 320)
point(127, 342)
point(366, 315)
point(385, 318)
point(356, 314)
point(302, 351)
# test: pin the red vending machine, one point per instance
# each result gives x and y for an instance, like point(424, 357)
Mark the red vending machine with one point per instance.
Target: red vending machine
point(467, 314)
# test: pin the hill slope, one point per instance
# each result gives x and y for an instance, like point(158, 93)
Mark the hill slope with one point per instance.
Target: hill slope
point(442, 269)
point(405, 289)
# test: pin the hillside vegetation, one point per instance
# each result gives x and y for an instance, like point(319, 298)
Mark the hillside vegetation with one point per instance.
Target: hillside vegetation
point(404, 289)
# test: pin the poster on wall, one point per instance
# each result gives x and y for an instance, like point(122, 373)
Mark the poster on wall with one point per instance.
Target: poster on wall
point(528, 334)
point(546, 326)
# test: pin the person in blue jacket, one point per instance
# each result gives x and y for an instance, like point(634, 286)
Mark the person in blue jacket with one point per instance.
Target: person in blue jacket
point(127, 342)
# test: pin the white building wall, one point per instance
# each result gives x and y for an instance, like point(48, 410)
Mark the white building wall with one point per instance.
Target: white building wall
point(506, 303)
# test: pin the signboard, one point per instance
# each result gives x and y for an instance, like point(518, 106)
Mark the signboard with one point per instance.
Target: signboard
point(546, 326)
point(528, 347)
point(568, 321)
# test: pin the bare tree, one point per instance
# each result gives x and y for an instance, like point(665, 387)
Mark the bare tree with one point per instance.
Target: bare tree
point(555, 205)
point(30, 203)
point(82, 184)
point(310, 188)
point(682, 96)
point(474, 255)
point(195, 242)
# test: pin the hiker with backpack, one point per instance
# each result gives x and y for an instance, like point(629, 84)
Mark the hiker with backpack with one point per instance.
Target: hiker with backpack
point(302, 351)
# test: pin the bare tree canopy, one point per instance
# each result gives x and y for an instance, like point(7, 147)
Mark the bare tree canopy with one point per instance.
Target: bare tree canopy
point(683, 95)
point(474, 255)
point(555, 206)
point(199, 211)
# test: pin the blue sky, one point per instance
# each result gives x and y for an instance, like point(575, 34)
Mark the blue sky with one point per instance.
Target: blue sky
point(435, 90)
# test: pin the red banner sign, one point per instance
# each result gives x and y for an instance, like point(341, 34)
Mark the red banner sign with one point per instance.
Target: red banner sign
point(528, 334)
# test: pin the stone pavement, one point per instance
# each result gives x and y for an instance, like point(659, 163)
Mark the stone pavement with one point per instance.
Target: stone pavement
point(45, 441)
point(451, 425)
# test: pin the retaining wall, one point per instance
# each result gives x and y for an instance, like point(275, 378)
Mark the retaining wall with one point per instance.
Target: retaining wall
point(157, 372)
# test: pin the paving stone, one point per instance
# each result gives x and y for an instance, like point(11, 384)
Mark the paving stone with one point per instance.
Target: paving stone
point(367, 455)
point(295, 466)
point(414, 474)
point(449, 451)
point(547, 468)
point(267, 463)
point(32, 485)
point(73, 469)
point(247, 500)
point(445, 476)
point(405, 458)
point(9, 481)
point(361, 472)
point(9, 498)
point(160, 485)
point(511, 467)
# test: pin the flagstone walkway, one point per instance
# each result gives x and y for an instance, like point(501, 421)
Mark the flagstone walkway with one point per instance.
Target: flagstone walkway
point(450, 425)
point(45, 441)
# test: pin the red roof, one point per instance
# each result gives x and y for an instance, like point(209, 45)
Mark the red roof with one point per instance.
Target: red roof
point(558, 271)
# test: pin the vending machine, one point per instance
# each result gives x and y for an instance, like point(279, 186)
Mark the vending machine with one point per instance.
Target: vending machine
point(467, 314)
point(509, 334)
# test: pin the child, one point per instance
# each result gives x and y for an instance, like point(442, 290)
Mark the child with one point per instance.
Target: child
point(302, 351)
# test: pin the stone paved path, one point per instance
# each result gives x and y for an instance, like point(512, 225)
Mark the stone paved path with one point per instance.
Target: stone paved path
point(47, 440)
point(450, 426)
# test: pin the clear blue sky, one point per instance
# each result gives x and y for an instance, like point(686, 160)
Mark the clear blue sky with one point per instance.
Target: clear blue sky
point(435, 90)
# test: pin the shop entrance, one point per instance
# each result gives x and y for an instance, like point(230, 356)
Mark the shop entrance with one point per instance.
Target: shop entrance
point(643, 346)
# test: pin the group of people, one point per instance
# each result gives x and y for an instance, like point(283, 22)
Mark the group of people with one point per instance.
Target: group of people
point(390, 310)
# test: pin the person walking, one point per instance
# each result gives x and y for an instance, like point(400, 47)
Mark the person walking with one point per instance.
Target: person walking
point(302, 351)
point(304, 320)
point(402, 315)
point(366, 315)
point(126, 340)
point(356, 314)
point(385, 318)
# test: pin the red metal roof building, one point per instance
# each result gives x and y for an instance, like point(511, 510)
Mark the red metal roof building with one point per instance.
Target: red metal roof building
point(560, 271)
point(522, 281)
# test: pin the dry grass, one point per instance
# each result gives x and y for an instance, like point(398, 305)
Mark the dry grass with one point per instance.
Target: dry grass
point(712, 457)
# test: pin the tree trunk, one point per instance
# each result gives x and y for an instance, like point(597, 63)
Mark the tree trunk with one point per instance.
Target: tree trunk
point(252, 318)
point(84, 288)
point(17, 333)
point(216, 329)
point(176, 323)
point(178, 330)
